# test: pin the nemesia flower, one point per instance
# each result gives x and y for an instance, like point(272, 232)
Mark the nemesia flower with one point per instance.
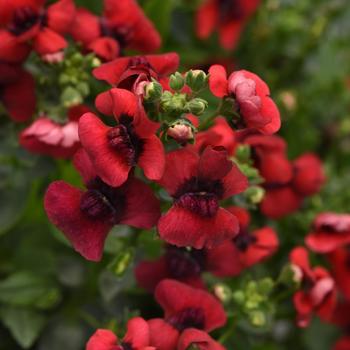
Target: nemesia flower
point(59, 140)
point(137, 337)
point(253, 105)
point(29, 24)
point(131, 73)
point(86, 217)
point(342, 344)
point(329, 231)
point(197, 182)
point(189, 314)
point(17, 85)
point(114, 151)
point(341, 318)
point(318, 291)
point(227, 16)
point(122, 25)
point(220, 134)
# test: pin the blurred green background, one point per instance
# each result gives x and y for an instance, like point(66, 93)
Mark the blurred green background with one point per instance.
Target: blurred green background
point(51, 298)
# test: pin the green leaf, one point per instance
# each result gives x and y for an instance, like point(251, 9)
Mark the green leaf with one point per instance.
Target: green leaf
point(26, 289)
point(24, 325)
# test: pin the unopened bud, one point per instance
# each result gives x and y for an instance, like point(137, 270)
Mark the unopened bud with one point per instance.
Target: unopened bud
point(181, 131)
point(243, 153)
point(254, 194)
point(257, 318)
point(176, 81)
point(223, 292)
point(71, 97)
point(291, 275)
point(153, 91)
point(196, 106)
point(196, 79)
point(173, 104)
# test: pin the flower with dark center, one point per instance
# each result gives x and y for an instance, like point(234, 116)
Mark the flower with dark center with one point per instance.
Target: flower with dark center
point(123, 25)
point(329, 232)
point(197, 182)
point(243, 240)
point(228, 17)
point(187, 311)
point(32, 25)
point(318, 292)
point(114, 151)
point(137, 337)
point(86, 217)
point(129, 72)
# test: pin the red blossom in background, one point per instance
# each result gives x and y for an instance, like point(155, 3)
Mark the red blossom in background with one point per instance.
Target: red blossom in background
point(86, 217)
point(318, 292)
point(253, 105)
point(226, 16)
point(339, 260)
point(137, 337)
point(28, 24)
point(189, 314)
point(122, 25)
point(197, 182)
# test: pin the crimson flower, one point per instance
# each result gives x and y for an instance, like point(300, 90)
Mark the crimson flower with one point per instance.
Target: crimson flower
point(114, 151)
point(17, 85)
point(342, 344)
point(132, 73)
point(341, 318)
point(339, 260)
point(253, 105)
point(27, 23)
point(197, 182)
point(318, 291)
point(189, 314)
point(58, 140)
point(86, 217)
point(137, 337)
point(329, 231)
point(227, 16)
point(122, 25)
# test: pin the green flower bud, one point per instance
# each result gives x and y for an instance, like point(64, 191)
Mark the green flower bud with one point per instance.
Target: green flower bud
point(177, 81)
point(254, 194)
point(174, 105)
point(196, 106)
point(239, 297)
point(196, 79)
point(122, 261)
point(243, 153)
point(291, 276)
point(153, 91)
point(257, 318)
point(71, 97)
point(265, 286)
point(223, 292)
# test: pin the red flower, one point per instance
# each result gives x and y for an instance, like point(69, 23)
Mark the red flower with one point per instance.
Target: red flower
point(318, 292)
point(46, 136)
point(227, 16)
point(17, 92)
point(339, 260)
point(132, 72)
point(330, 231)
point(123, 25)
point(189, 314)
point(27, 23)
point(86, 217)
point(197, 183)
point(342, 344)
point(137, 337)
point(220, 134)
point(114, 151)
point(254, 107)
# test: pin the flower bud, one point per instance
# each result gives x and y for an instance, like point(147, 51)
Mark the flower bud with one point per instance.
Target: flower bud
point(223, 292)
point(291, 275)
point(153, 91)
point(243, 153)
point(173, 104)
point(254, 194)
point(181, 131)
point(121, 262)
point(71, 97)
point(176, 81)
point(257, 318)
point(196, 79)
point(196, 106)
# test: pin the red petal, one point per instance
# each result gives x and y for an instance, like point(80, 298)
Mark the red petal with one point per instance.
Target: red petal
point(218, 83)
point(270, 111)
point(163, 335)
point(109, 165)
point(280, 202)
point(342, 344)
point(124, 103)
point(107, 48)
point(262, 88)
point(19, 98)
point(142, 208)
point(199, 339)
point(111, 71)
point(340, 270)
point(47, 41)
point(102, 339)
point(180, 166)
point(164, 64)
point(183, 228)
point(83, 164)
point(152, 158)
point(206, 18)
point(300, 257)
point(325, 242)
point(138, 334)
point(241, 214)
point(274, 167)
point(304, 308)
point(60, 16)
point(234, 182)
point(62, 205)
point(174, 297)
point(230, 33)
point(11, 50)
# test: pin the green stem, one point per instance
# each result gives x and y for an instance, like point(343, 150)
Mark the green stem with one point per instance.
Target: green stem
point(207, 122)
point(228, 332)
